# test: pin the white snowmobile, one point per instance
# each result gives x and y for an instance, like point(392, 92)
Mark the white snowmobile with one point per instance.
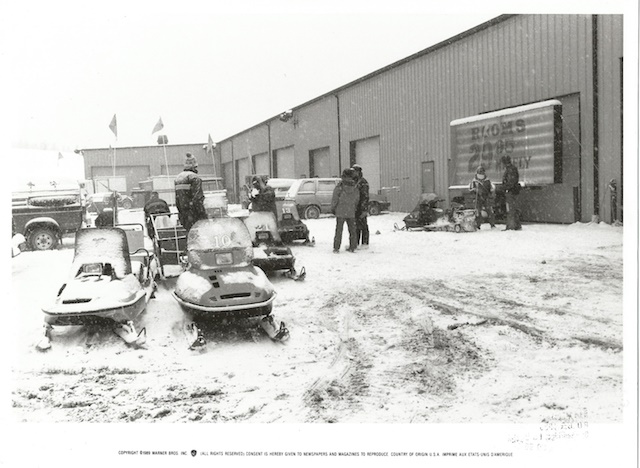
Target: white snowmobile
point(107, 283)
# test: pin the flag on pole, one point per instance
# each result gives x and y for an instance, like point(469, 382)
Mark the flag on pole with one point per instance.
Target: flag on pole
point(60, 156)
point(210, 144)
point(114, 126)
point(159, 126)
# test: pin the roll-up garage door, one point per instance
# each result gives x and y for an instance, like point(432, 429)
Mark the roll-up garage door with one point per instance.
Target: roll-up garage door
point(285, 168)
point(242, 171)
point(319, 162)
point(261, 163)
point(368, 156)
point(227, 169)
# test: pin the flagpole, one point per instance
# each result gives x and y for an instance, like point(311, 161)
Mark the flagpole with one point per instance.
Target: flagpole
point(213, 159)
point(115, 201)
point(166, 162)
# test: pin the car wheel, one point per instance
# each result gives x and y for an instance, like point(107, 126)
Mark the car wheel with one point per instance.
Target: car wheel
point(457, 228)
point(127, 204)
point(43, 239)
point(312, 212)
point(374, 209)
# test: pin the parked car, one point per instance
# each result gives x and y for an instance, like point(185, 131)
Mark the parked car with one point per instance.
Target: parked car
point(313, 197)
point(100, 200)
point(44, 217)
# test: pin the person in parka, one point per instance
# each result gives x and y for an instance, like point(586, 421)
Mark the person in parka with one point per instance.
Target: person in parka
point(343, 205)
point(189, 194)
point(362, 210)
point(154, 206)
point(483, 189)
point(262, 196)
point(511, 187)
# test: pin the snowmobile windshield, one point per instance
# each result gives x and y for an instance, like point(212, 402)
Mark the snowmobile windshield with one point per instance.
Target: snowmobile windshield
point(259, 222)
point(217, 242)
point(103, 245)
point(280, 187)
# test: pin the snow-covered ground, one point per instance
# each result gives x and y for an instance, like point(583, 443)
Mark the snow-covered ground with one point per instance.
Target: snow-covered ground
point(423, 327)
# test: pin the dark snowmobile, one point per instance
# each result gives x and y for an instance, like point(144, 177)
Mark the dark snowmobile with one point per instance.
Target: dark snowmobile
point(428, 215)
point(270, 253)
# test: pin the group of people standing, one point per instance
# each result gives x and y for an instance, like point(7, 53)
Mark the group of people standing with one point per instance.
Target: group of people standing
point(483, 189)
point(350, 205)
point(350, 201)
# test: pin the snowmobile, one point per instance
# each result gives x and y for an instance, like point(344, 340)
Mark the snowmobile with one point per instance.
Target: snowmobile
point(290, 226)
point(428, 215)
point(270, 253)
point(107, 283)
point(220, 279)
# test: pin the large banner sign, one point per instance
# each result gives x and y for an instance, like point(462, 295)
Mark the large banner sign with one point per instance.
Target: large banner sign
point(531, 135)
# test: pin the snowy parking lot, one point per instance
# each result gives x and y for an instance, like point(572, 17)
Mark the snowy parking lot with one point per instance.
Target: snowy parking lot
point(423, 327)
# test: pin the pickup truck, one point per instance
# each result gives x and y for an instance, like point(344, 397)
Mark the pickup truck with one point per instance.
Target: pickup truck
point(44, 217)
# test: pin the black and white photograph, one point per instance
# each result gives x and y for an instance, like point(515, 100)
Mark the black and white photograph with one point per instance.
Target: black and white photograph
point(303, 233)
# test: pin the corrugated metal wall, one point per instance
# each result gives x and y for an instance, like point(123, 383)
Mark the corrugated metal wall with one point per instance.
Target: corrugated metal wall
point(509, 62)
point(610, 47)
point(521, 60)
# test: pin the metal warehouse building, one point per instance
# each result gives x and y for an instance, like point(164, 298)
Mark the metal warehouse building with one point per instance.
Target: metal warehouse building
point(139, 163)
point(546, 89)
point(397, 121)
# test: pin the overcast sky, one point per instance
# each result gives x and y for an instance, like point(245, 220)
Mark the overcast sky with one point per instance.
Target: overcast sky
point(203, 67)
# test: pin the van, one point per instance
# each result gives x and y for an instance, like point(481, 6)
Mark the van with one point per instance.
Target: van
point(313, 197)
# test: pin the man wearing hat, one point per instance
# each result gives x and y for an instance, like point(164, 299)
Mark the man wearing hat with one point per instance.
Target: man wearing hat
point(263, 197)
point(362, 209)
point(189, 195)
point(483, 189)
point(511, 187)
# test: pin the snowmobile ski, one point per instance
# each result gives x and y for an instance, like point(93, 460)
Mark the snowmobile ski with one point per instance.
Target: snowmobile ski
point(127, 331)
point(295, 276)
point(195, 337)
point(45, 342)
point(276, 334)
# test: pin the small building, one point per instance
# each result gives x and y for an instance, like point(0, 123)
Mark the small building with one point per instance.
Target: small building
point(141, 163)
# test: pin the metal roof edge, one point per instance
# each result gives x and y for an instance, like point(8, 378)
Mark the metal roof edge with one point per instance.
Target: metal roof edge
point(507, 111)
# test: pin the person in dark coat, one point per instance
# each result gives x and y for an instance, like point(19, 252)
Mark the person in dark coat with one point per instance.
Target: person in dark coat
point(262, 196)
point(362, 210)
point(189, 194)
point(483, 188)
point(343, 205)
point(511, 187)
point(154, 206)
